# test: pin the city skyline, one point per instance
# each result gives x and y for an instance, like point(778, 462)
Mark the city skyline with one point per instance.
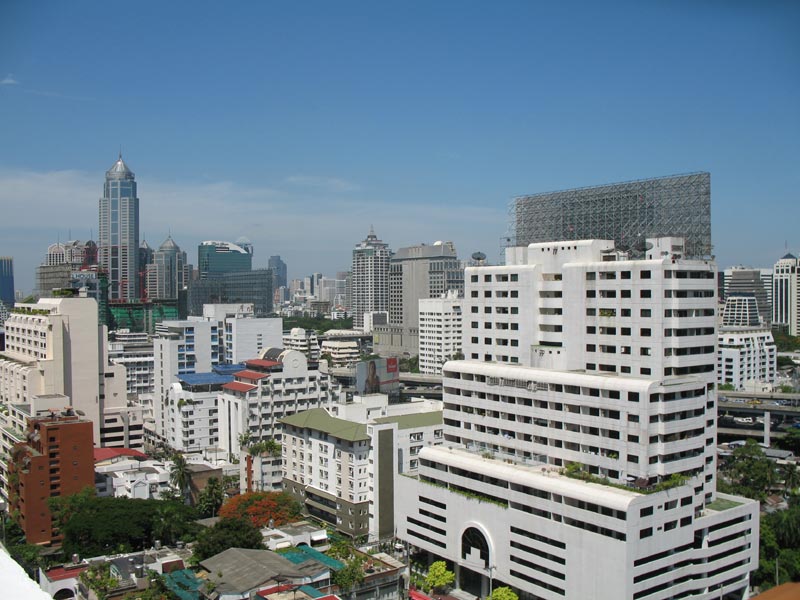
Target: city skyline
point(425, 123)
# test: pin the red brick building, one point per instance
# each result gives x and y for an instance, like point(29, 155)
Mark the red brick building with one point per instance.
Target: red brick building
point(55, 460)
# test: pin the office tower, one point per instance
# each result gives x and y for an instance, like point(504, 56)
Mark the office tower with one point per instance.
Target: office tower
point(345, 289)
point(370, 277)
point(7, 281)
point(756, 282)
point(118, 234)
point(236, 287)
point(580, 454)
point(786, 294)
point(416, 272)
point(168, 273)
point(56, 459)
point(440, 323)
point(278, 271)
point(627, 213)
point(214, 257)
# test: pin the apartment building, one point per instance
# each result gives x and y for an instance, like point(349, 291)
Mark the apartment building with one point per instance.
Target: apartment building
point(134, 351)
point(55, 459)
point(580, 433)
point(786, 294)
point(343, 353)
point(276, 385)
point(326, 468)
point(440, 322)
point(302, 340)
point(746, 355)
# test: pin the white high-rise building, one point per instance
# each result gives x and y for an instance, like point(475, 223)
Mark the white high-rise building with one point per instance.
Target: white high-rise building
point(580, 453)
point(179, 348)
point(245, 335)
point(746, 355)
point(440, 322)
point(370, 277)
point(786, 294)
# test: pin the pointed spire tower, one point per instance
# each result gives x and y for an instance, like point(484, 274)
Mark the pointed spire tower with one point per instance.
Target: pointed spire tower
point(118, 233)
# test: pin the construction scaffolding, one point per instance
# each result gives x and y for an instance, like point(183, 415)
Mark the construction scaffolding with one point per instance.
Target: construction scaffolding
point(628, 213)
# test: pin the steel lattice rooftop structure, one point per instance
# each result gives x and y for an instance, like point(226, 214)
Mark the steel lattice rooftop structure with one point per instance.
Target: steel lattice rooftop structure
point(628, 213)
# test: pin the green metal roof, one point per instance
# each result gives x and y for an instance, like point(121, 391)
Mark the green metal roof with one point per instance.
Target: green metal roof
point(184, 584)
point(302, 553)
point(415, 421)
point(319, 419)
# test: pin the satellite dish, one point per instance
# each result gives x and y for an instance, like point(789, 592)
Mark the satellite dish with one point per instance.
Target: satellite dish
point(478, 256)
point(623, 247)
point(608, 251)
point(643, 246)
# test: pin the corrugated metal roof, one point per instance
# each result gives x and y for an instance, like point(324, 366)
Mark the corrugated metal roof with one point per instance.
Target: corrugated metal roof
point(204, 378)
point(424, 419)
point(320, 420)
point(238, 386)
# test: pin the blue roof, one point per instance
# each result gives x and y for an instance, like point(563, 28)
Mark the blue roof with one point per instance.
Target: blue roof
point(229, 369)
point(204, 378)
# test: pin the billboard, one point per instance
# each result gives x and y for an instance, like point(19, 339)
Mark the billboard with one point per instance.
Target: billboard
point(381, 375)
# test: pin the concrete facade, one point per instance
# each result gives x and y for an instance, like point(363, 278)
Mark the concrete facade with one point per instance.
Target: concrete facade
point(584, 367)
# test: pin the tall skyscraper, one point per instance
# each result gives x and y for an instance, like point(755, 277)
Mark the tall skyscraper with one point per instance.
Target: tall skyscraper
point(7, 281)
point(580, 433)
point(278, 271)
point(679, 205)
point(370, 277)
point(786, 294)
point(118, 239)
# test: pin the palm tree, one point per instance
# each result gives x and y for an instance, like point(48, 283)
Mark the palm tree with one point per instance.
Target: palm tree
point(211, 498)
point(179, 475)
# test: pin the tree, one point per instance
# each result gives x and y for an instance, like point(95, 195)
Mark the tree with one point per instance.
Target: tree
point(179, 475)
point(748, 473)
point(227, 533)
point(62, 508)
point(726, 387)
point(438, 576)
point(350, 575)
point(503, 593)
point(791, 478)
point(262, 507)
point(791, 441)
point(211, 498)
point(110, 525)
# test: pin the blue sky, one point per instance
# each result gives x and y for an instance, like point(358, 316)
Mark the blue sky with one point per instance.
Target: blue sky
point(300, 124)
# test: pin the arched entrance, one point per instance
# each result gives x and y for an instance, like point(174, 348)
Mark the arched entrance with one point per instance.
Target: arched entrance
point(476, 556)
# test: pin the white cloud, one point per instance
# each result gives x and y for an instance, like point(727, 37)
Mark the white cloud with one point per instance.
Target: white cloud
point(9, 80)
point(313, 230)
